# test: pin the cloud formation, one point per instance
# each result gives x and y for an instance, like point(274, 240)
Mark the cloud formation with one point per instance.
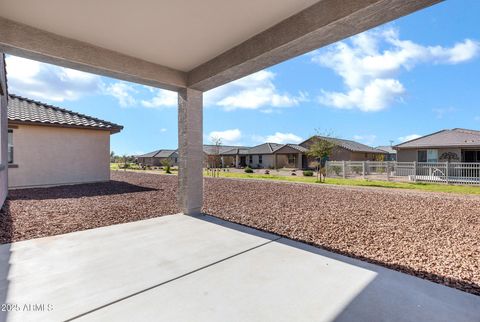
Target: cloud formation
point(163, 98)
point(370, 63)
point(48, 82)
point(227, 137)
point(253, 92)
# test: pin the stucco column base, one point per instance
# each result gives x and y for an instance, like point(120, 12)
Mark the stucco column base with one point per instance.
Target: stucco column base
point(190, 151)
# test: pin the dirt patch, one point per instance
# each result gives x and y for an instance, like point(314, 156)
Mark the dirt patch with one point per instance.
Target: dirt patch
point(430, 235)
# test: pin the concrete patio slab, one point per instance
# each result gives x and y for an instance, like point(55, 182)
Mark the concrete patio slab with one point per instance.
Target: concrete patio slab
point(179, 268)
point(290, 281)
point(81, 271)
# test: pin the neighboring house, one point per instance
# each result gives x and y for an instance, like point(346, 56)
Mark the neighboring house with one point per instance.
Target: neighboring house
point(156, 158)
point(347, 150)
point(215, 155)
point(268, 155)
point(457, 144)
point(48, 145)
point(390, 152)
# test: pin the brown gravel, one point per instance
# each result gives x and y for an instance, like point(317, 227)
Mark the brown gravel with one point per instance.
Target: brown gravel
point(431, 235)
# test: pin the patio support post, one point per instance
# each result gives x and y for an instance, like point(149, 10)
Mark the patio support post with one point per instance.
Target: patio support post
point(344, 168)
point(299, 161)
point(190, 150)
point(363, 170)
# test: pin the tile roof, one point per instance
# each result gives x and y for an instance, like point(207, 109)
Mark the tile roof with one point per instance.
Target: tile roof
point(348, 144)
point(221, 149)
point(445, 138)
point(158, 154)
point(386, 148)
point(23, 110)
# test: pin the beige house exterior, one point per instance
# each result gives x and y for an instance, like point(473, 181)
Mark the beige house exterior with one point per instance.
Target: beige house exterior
point(348, 150)
point(454, 145)
point(157, 158)
point(45, 152)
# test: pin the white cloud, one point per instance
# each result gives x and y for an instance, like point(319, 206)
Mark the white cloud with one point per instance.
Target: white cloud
point(123, 92)
point(227, 137)
point(283, 138)
point(408, 137)
point(375, 96)
point(368, 139)
point(163, 130)
point(43, 81)
point(256, 91)
point(163, 98)
point(369, 72)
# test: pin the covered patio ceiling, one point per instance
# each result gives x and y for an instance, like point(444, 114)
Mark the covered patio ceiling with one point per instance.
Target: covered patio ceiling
point(178, 44)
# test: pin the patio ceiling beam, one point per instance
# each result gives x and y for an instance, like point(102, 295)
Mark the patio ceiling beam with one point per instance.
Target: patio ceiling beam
point(29, 42)
point(321, 24)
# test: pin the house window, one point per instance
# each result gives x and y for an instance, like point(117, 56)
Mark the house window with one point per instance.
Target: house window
point(250, 159)
point(432, 155)
point(260, 159)
point(10, 146)
point(422, 156)
point(291, 159)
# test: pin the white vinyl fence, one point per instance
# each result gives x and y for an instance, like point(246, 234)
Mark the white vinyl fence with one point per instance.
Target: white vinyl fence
point(440, 172)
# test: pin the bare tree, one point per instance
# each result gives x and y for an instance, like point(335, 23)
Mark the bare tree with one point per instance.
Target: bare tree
point(320, 149)
point(214, 160)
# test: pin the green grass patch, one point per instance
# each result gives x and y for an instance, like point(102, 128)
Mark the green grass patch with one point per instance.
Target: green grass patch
point(363, 183)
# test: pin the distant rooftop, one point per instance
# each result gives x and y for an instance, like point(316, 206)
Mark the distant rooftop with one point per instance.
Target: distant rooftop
point(26, 111)
point(348, 144)
point(387, 148)
point(445, 138)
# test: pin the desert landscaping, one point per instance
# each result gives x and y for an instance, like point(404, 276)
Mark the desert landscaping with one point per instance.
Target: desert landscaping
point(426, 234)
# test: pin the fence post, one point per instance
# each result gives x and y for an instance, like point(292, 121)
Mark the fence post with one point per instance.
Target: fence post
point(344, 167)
point(363, 170)
point(388, 171)
point(447, 172)
point(414, 171)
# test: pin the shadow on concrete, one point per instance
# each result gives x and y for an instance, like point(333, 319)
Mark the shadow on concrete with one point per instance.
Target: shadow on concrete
point(463, 285)
point(391, 295)
point(77, 191)
point(6, 234)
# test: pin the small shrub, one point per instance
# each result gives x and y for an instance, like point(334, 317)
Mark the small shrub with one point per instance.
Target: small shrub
point(294, 174)
point(357, 169)
point(308, 173)
point(248, 170)
point(267, 171)
point(337, 169)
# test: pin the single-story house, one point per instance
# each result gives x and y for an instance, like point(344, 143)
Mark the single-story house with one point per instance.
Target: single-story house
point(48, 145)
point(158, 157)
point(268, 155)
point(460, 145)
point(390, 152)
point(348, 150)
point(215, 155)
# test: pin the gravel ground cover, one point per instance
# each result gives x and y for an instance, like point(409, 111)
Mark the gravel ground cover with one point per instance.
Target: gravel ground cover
point(431, 235)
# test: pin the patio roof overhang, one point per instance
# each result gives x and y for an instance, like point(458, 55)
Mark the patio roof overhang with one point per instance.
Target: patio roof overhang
point(178, 44)
point(186, 46)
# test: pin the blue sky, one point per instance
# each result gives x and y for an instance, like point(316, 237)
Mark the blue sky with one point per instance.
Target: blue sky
point(410, 77)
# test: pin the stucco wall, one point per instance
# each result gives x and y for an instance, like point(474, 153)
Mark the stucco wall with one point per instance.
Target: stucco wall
point(3, 134)
point(53, 156)
point(410, 155)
